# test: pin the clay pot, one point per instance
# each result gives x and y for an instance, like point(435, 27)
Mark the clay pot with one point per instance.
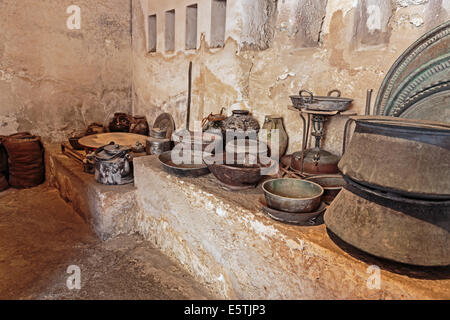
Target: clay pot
point(241, 120)
point(121, 122)
point(271, 124)
point(3, 166)
point(3, 157)
point(140, 126)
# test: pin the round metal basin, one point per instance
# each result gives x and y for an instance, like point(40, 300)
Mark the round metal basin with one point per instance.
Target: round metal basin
point(332, 184)
point(292, 195)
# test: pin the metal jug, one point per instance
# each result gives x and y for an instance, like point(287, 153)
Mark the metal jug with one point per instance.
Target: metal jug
point(113, 165)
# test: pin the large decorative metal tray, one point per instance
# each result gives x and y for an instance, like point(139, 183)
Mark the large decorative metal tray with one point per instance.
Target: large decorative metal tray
point(420, 76)
point(96, 141)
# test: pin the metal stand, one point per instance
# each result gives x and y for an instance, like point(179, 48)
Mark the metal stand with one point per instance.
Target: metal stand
point(318, 120)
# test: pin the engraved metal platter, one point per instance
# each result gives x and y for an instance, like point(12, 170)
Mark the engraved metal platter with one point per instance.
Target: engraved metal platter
point(96, 141)
point(165, 123)
point(419, 77)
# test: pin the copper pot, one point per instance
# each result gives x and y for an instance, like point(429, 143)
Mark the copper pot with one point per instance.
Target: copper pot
point(408, 157)
point(140, 125)
point(401, 229)
point(315, 162)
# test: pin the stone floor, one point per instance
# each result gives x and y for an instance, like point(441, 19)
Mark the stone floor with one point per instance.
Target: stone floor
point(41, 236)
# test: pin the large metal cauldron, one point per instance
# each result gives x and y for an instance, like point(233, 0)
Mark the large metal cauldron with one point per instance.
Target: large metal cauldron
point(403, 156)
point(405, 230)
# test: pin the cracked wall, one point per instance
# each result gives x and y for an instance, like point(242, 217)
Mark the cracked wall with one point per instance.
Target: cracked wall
point(346, 44)
point(55, 81)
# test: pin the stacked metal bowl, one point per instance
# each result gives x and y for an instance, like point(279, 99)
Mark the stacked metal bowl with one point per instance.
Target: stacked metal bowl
point(397, 201)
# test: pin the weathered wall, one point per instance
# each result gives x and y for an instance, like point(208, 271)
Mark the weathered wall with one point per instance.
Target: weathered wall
point(54, 81)
point(273, 49)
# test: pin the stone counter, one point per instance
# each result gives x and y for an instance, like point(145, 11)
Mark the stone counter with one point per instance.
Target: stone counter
point(228, 244)
point(225, 241)
point(109, 210)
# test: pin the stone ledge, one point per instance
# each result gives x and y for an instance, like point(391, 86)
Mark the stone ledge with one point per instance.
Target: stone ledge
point(109, 210)
point(228, 244)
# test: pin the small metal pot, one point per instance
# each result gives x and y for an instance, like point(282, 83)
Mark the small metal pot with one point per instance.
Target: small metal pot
point(316, 161)
point(113, 165)
point(292, 195)
point(156, 146)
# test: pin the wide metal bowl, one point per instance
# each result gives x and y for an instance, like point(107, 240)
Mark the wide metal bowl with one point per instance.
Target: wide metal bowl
point(191, 169)
point(292, 195)
point(332, 184)
point(238, 176)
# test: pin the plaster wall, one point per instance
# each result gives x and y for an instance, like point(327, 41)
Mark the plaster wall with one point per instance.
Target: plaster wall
point(272, 50)
point(54, 81)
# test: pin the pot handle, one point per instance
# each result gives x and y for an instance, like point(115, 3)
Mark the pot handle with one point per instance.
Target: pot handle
point(334, 91)
point(346, 128)
point(306, 99)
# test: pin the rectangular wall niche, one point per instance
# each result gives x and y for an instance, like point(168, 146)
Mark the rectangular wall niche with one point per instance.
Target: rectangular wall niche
point(152, 32)
point(218, 23)
point(169, 31)
point(191, 27)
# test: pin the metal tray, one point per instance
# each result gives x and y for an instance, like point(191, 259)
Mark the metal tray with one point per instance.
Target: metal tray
point(431, 46)
point(302, 219)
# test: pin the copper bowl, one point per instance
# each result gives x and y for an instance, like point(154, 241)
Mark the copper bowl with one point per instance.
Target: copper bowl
point(332, 184)
point(235, 175)
point(292, 195)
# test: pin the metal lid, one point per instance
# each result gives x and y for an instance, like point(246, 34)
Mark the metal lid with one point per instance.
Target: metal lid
point(111, 151)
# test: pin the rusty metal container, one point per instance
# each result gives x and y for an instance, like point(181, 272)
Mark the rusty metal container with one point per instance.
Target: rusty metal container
point(403, 156)
point(401, 229)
